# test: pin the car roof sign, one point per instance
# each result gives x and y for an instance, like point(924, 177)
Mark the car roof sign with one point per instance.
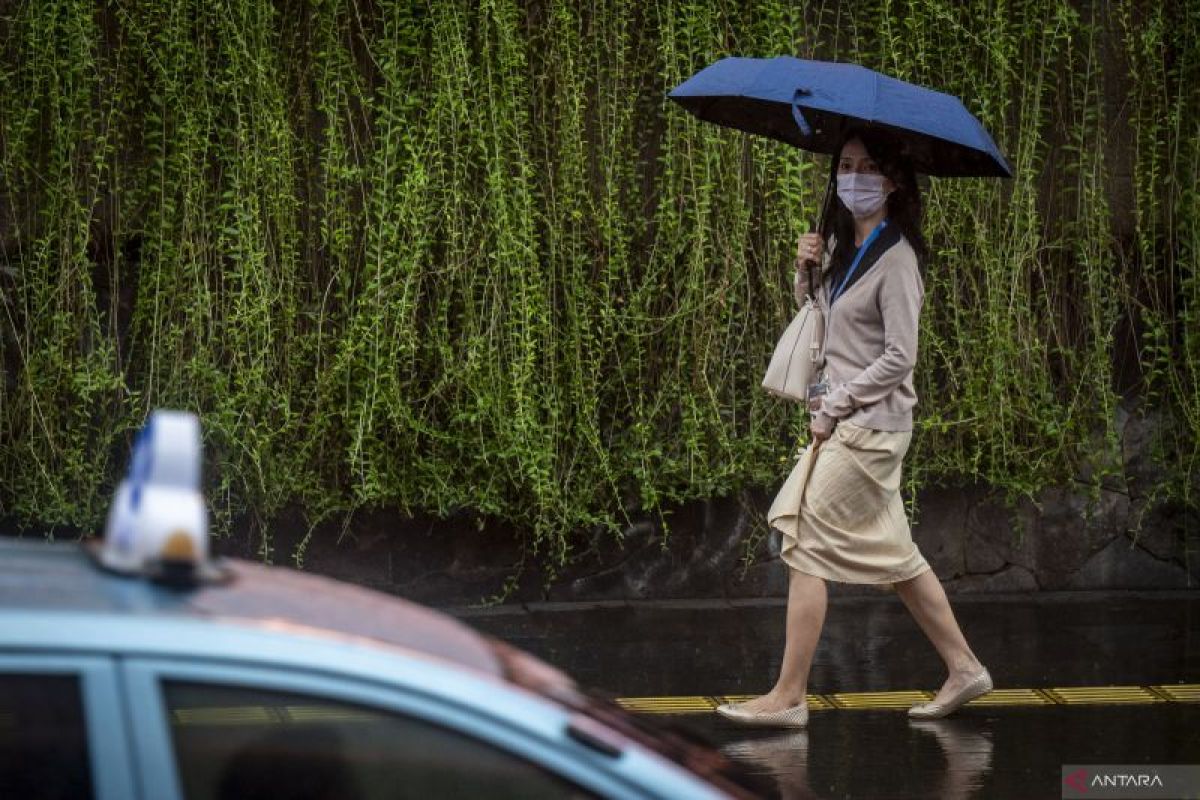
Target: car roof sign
point(158, 525)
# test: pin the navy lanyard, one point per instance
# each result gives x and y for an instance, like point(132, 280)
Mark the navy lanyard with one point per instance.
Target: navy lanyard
point(857, 258)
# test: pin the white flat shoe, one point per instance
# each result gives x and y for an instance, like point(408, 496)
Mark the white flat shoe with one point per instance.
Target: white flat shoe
point(981, 684)
point(794, 717)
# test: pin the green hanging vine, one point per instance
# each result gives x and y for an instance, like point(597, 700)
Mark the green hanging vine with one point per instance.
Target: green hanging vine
point(467, 259)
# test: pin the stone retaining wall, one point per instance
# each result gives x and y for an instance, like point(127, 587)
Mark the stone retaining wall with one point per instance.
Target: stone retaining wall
point(1120, 537)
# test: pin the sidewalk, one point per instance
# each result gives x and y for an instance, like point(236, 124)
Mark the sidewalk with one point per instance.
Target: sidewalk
point(707, 647)
point(1101, 678)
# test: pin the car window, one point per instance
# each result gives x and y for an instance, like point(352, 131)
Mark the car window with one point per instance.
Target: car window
point(247, 743)
point(43, 737)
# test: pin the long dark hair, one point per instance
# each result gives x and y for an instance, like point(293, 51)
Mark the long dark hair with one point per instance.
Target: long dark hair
point(903, 205)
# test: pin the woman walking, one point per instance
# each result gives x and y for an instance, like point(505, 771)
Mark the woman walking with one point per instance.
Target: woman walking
point(840, 511)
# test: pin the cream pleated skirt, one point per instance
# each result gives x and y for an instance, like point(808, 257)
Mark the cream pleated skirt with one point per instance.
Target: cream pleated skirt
point(840, 511)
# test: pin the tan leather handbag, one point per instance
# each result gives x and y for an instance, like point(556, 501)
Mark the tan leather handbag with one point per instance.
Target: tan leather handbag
point(797, 355)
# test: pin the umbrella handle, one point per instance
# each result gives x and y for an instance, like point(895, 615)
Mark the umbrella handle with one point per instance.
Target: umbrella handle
point(811, 267)
point(798, 115)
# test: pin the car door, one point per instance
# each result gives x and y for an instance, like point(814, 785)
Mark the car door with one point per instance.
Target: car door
point(62, 730)
point(208, 731)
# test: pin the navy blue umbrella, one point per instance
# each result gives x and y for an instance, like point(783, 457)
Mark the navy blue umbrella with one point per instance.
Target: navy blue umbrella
point(809, 104)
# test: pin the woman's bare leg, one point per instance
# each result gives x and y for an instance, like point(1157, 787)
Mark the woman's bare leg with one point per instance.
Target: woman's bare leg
point(807, 600)
point(926, 600)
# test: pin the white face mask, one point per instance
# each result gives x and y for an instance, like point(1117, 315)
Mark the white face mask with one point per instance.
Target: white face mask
point(861, 192)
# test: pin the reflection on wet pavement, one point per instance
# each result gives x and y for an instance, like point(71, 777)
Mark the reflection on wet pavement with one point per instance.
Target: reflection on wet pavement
point(784, 758)
point(1029, 642)
point(977, 753)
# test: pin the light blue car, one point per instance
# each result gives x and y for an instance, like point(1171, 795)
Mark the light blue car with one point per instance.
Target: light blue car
point(263, 682)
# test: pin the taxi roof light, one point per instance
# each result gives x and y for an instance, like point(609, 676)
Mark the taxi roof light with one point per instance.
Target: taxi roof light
point(158, 525)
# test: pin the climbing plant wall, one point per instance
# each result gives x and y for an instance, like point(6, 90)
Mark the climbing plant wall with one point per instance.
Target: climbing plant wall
point(466, 258)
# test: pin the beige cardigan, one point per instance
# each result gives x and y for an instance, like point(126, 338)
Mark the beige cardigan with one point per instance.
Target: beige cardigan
point(871, 342)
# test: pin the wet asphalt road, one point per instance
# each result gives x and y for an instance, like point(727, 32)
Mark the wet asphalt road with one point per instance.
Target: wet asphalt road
point(1068, 639)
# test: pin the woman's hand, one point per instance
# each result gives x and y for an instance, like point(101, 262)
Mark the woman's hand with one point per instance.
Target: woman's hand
point(821, 426)
point(808, 248)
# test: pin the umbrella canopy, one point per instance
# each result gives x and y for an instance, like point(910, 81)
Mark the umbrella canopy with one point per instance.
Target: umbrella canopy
point(809, 103)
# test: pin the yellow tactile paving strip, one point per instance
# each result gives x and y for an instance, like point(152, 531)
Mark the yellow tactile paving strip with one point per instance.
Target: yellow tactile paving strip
point(1106, 695)
point(1180, 693)
point(1056, 695)
point(706, 704)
